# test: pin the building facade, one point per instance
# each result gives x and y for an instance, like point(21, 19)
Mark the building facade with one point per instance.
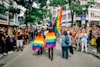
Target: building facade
point(4, 18)
point(92, 17)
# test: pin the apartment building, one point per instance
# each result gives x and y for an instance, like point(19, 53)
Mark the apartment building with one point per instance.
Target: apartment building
point(92, 17)
point(4, 18)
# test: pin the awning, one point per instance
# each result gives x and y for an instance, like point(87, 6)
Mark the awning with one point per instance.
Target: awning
point(3, 23)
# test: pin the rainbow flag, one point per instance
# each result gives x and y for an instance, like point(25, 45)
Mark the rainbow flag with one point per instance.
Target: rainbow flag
point(57, 22)
point(38, 43)
point(50, 40)
point(11, 40)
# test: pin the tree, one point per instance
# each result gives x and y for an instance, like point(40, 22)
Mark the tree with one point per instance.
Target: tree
point(56, 3)
point(12, 11)
point(3, 9)
point(74, 6)
point(34, 14)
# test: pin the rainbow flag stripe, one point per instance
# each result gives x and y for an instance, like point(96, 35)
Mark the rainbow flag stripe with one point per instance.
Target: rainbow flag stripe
point(50, 40)
point(38, 43)
point(11, 39)
point(57, 22)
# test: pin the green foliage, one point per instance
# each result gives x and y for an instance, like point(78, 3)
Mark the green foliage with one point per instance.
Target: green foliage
point(14, 10)
point(3, 9)
point(20, 2)
point(42, 3)
point(77, 8)
point(34, 15)
point(57, 3)
point(74, 5)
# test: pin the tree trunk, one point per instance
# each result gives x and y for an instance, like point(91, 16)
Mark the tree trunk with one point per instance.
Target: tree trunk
point(26, 19)
point(72, 18)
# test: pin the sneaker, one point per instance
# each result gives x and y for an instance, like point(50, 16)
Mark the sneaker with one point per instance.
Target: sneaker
point(46, 51)
point(1, 55)
point(11, 52)
point(4, 54)
point(21, 49)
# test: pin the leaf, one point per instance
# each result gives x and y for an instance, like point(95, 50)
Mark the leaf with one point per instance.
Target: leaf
point(3, 9)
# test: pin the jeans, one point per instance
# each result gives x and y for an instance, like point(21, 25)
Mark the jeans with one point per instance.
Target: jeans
point(65, 52)
point(84, 44)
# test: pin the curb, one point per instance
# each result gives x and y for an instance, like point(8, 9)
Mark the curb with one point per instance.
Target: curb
point(19, 55)
point(98, 56)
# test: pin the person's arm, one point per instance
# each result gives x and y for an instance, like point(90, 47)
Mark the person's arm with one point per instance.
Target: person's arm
point(3, 39)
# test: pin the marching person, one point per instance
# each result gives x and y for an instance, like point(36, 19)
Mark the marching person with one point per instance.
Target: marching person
point(39, 43)
point(50, 42)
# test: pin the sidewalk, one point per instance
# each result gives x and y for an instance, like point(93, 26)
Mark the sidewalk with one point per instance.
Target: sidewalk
point(93, 52)
point(90, 50)
point(5, 59)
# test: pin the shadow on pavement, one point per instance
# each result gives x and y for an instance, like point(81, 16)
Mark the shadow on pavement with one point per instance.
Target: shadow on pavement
point(1, 65)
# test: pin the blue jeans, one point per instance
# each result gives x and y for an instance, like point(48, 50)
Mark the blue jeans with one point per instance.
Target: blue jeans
point(65, 52)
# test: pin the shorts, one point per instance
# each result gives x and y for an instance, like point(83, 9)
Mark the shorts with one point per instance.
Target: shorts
point(19, 43)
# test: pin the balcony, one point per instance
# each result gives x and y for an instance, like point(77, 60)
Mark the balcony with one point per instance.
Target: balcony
point(3, 17)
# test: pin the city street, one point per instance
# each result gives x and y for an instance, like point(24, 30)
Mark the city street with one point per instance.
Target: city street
point(28, 58)
point(27, 26)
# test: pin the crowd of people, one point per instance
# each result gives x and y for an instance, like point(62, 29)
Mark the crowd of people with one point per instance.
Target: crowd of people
point(83, 37)
point(80, 38)
point(12, 39)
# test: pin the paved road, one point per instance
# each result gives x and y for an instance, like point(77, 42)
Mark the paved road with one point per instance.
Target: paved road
point(28, 58)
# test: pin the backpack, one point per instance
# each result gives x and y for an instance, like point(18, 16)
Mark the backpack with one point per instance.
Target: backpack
point(66, 39)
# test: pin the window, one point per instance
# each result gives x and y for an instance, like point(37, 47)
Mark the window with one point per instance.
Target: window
point(69, 15)
point(54, 12)
point(64, 17)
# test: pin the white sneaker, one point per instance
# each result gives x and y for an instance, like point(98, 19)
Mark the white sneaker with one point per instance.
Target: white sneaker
point(1, 55)
point(11, 52)
point(4, 54)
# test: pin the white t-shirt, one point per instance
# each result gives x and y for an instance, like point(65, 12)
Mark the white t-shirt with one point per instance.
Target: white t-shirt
point(84, 36)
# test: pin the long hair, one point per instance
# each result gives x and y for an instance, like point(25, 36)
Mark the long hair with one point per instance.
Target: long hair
point(65, 33)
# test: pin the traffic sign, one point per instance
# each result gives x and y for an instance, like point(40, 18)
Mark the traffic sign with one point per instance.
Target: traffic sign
point(20, 18)
point(83, 17)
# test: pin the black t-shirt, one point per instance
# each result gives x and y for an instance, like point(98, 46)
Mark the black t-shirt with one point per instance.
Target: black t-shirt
point(26, 36)
point(20, 37)
point(98, 41)
point(1, 35)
